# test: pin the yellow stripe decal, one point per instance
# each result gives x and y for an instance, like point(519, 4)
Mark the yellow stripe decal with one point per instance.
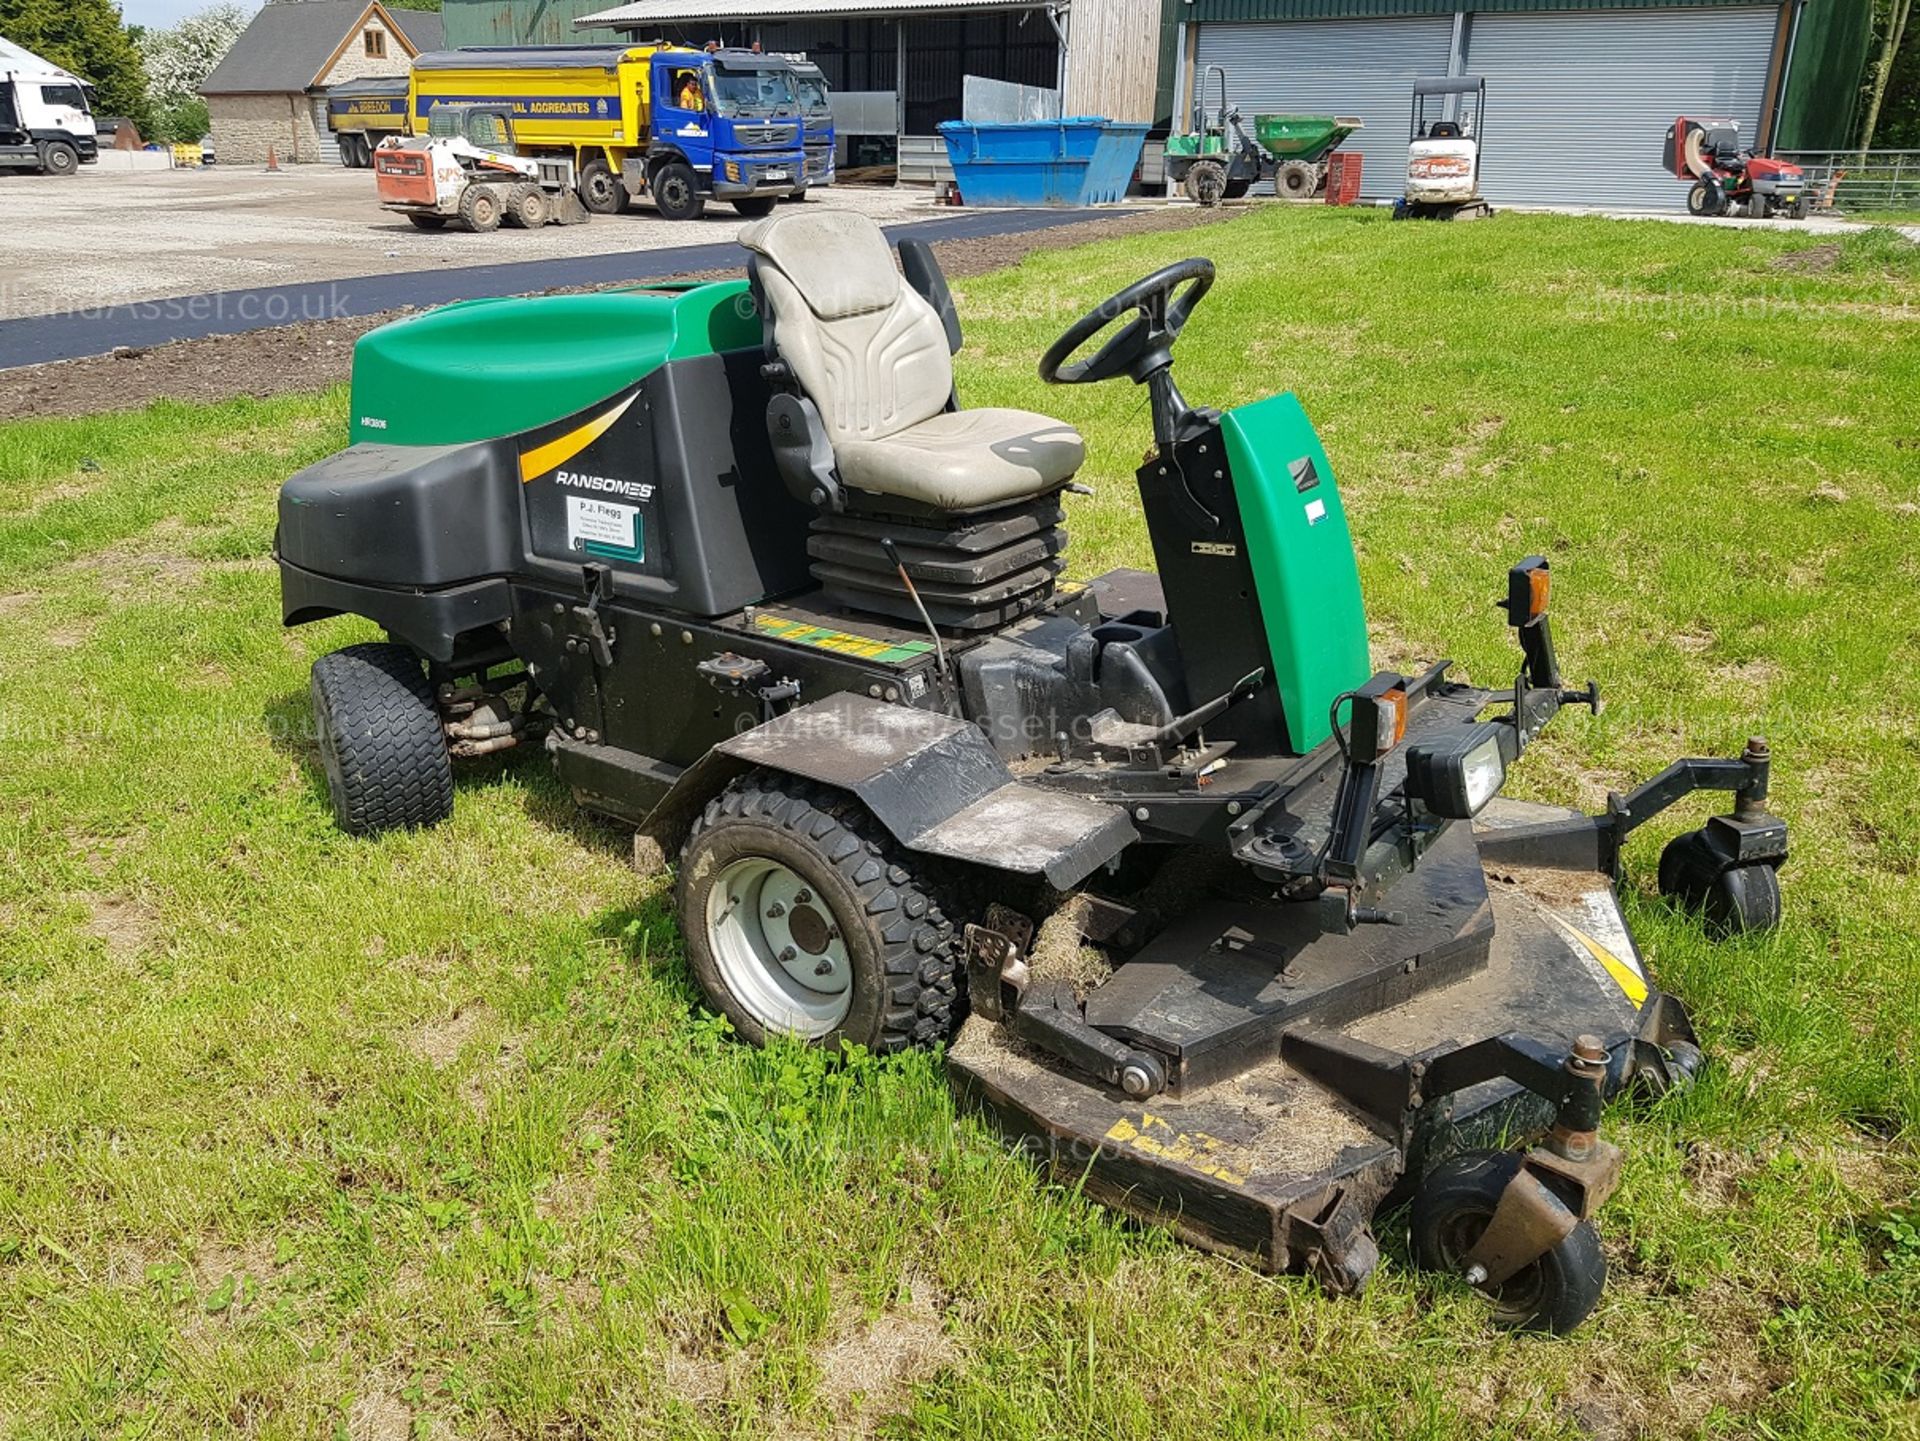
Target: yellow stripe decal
point(1630, 981)
point(556, 453)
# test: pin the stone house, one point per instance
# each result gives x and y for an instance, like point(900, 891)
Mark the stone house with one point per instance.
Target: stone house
point(271, 89)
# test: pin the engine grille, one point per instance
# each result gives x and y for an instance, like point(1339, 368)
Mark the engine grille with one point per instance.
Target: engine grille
point(767, 134)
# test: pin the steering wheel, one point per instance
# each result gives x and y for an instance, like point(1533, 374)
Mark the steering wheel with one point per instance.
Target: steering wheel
point(1146, 344)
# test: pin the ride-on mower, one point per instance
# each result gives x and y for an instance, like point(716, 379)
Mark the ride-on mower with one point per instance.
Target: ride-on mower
point(772, 595)
point(1729, 180)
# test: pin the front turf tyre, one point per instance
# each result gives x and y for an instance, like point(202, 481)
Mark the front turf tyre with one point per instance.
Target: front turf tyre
point(802, 917)
point(752, 207)
point(1731, 899)
point(381, 745)
point(1450, 1211)
point(676, 192)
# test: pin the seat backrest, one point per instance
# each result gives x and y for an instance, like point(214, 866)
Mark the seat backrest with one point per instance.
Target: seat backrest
point(868, 350)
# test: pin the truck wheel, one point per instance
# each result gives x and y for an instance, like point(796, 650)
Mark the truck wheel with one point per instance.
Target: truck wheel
point(676, 192)
point(381, 745)
point(427, 222)
point(1297, 180)
point(1451, 1211)
point(601, 191)
point(59, 158)
point(755, 206)
point(802, 917)
point(480, 208)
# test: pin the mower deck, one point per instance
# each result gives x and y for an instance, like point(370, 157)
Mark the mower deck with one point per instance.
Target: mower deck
point(1246, 1154)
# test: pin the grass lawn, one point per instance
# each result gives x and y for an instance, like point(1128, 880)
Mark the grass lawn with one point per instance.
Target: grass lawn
point(302, 1136)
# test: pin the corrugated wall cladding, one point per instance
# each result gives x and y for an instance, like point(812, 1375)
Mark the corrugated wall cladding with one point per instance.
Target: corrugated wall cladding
point(1577, 104)
point(1204, 10)
point(521, 22)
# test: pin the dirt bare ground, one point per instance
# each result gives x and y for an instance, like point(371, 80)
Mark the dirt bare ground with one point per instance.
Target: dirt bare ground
point(318, 354)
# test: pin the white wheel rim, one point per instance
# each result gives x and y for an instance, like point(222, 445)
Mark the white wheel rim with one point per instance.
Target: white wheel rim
point(779, 949)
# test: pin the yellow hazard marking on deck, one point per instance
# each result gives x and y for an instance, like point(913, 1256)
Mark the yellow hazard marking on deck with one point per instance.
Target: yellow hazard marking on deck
point(1626, 976)
point(1153, 1136)
point(864, 647)
point(557, 452)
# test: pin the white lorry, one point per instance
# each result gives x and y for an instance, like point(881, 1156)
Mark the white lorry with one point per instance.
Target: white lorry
point(46, 115)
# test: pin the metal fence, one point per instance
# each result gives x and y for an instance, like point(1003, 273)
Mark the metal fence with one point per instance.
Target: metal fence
point(1848, 180)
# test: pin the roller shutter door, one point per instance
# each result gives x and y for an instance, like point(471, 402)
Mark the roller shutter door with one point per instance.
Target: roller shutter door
point(329, 144)
point(1334, 67)
point(1577, 102)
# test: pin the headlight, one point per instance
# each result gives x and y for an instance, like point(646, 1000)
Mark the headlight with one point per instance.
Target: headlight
point(1455, 776)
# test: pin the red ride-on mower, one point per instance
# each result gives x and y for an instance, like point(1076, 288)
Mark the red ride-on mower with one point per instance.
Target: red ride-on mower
point(1729, 180)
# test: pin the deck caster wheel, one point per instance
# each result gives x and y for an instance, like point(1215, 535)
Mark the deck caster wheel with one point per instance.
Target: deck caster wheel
point(1732, 899)
point(1450, 1211)
point(381, 745)
point(803, 918)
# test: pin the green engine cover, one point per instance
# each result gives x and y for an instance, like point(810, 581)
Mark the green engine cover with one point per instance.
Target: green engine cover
point(479, 369)
point(1305, 578)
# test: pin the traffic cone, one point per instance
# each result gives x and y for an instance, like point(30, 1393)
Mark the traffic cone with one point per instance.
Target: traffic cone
point(273, 164)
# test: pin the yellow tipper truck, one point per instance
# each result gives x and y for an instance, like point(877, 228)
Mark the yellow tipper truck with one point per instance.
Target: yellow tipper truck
point(680, 125)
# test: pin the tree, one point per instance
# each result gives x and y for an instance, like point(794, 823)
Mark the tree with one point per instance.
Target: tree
point(181, 56)
point(1896, 29)
point(89, 38)
point(1899, 125)
point(413, 4)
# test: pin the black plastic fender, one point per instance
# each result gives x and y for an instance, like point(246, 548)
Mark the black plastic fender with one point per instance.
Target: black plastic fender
point(934, 782)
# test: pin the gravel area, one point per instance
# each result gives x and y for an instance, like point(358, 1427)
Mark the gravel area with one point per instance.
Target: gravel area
point(307, 357)
point(153, 234)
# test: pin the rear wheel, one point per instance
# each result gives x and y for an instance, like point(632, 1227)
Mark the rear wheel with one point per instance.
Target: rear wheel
point(1297, 180)
point(1451, 1210)
point(802, 917)
point(1705, 199)
point(59, 158)
point(676, 192)
point(381, 745)
point(480, 208)
point(754, 206)
point(427, 222)
point(600, 189)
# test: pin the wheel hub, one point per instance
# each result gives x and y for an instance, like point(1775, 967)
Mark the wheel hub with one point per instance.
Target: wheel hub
point(778, 948)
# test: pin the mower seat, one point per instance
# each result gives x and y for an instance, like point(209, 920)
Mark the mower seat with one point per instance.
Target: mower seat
point(873, 358)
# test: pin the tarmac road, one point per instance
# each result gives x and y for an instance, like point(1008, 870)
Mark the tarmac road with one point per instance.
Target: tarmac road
point(34, 340)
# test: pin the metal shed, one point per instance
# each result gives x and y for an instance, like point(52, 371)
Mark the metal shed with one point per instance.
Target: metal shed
point(1578, 94)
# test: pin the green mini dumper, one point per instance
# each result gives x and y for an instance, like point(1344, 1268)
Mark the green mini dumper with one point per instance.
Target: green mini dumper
point(1216, 159)
point(738, 560)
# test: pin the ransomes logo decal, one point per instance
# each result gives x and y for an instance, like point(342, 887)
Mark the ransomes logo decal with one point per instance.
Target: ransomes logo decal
point(631, 489)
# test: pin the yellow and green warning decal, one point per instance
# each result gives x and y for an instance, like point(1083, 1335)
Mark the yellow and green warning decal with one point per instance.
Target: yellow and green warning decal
point(840, 642)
